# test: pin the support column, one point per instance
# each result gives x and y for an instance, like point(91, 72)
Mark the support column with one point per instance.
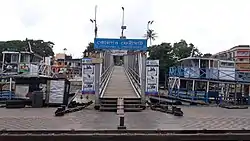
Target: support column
point(97, 85)
point(140, 65)
point(193, 88)
point(207, 90)
point(143, 79)
point(10, 88)
point(101, 56)
point(248, 94)
point(125, 63)
point(3, 62)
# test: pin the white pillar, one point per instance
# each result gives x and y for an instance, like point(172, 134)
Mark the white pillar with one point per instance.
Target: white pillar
point(140, 65)
point(3, 62)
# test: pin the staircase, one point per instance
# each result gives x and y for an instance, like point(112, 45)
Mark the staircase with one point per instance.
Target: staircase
point(130, 104)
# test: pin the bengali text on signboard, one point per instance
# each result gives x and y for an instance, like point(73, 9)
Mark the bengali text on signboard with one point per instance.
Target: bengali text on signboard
point(120, 44)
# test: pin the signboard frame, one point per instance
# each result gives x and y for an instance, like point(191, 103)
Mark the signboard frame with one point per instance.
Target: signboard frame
point(119, 52)
point(152, 77)
point(120, 44)
point(88, 79)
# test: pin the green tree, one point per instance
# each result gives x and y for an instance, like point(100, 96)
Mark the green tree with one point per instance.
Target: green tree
point(182, 50)
point(164, 54)
point(207, 55)
point(150, 35)
point(90, 47)
point(37, 46)
point(168, 55)
point(42, 48)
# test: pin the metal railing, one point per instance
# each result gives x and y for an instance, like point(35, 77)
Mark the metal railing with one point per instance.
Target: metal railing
point(208, 73)
point(105, 78)
point(135, 78)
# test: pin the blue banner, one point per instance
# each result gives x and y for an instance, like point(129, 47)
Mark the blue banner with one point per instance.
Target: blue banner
point(120, 44)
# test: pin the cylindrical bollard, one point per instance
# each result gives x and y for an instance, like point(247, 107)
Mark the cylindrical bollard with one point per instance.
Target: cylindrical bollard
point(121, 125)
point(221, 100)
point(122, 121)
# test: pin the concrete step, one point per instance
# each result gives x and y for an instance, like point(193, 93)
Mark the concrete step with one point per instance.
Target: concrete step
point(130, 104)
point(125, 109)
point(125, 105)
point(126, 100)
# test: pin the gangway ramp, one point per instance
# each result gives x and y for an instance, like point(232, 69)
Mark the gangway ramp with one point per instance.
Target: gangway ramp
point(120, 86)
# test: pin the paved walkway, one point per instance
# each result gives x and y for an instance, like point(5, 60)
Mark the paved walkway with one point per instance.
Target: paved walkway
point(194, 118)
point(119, 85)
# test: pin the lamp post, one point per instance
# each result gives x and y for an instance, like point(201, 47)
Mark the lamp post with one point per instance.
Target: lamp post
point(149, 31)
point(123, 27)
point(149, 23)
point(94, 22)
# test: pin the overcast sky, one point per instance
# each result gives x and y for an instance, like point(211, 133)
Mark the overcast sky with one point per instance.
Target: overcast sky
point(211, 25)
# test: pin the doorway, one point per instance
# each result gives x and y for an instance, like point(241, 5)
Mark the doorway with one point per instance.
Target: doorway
point(118, 60)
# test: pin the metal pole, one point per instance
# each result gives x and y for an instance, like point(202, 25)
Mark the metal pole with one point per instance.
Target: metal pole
point(10, 87)
point(143, 78)
point(3, 62)
point(122, 20)
point(148, 25)
point(148, 29)
point(95, 22)
point(123, 26)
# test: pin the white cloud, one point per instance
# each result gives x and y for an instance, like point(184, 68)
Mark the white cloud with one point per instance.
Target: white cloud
point(211, 25)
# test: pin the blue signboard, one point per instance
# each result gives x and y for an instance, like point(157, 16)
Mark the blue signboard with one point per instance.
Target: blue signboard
point(86, 60)
point(120, 44)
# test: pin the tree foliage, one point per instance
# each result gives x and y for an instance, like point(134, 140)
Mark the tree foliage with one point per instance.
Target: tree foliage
point(150, 35)
point(182, 50)
point(207, 55)
point(39, 47)
point(163, 53)
point(168, 54)
point(90, 47)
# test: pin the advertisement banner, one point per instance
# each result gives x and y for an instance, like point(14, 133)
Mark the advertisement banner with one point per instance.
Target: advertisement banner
point(152, 77)
point(88, 79)
point(24, 68)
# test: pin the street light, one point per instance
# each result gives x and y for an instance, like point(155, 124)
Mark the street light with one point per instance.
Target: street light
point(149, 23)
point(123, 26)
point(94, 22)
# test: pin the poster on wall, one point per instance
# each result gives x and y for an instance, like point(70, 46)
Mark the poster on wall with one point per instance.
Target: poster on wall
point(152, 77)
point(88, 79)
point(56, 94)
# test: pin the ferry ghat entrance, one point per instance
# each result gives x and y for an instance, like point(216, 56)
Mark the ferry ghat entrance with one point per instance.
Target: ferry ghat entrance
point(119, 72)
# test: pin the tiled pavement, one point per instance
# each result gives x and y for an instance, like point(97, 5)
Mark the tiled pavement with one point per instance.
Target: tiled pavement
point(194, 118)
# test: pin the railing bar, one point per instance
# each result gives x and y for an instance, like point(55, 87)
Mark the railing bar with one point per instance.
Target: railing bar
point(134, 78)
point(137, 81)
point(134, 71)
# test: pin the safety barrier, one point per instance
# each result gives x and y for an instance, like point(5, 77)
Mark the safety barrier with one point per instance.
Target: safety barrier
point(105, 78)
point(135, 79)
point(209, 73)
